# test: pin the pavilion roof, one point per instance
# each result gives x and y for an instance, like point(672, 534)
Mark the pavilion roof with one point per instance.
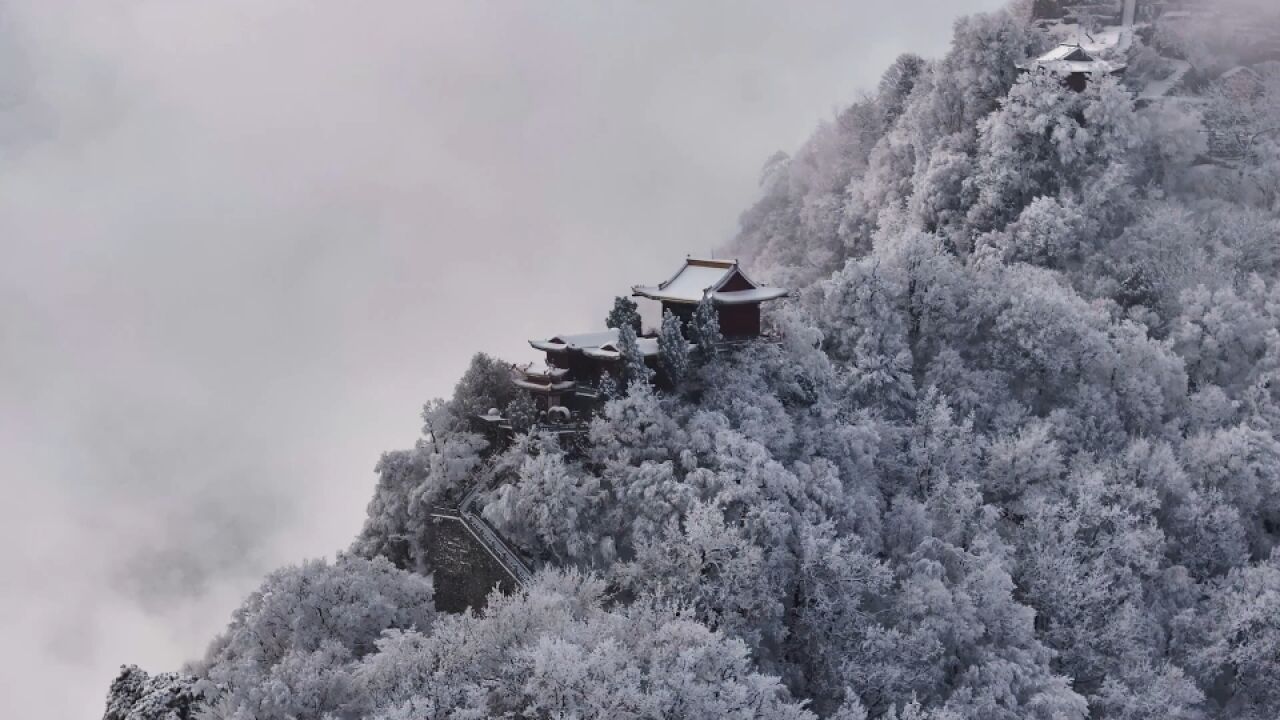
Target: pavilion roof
point(1070, 58)
point(540, 371)
point(609, 351)
point(598, 345)
point(580, 341)
point(704, 277)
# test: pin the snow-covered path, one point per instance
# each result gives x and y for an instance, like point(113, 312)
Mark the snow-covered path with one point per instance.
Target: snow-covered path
point(1161, 88)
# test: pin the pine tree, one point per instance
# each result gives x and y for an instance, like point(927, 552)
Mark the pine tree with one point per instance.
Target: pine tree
point(673, 349)
point(623, 314)
point(704, 331)
point(609, 386)
point(522, 413)
point(634, 370)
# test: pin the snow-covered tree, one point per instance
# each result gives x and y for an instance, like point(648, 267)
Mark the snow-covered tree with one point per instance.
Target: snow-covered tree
point(135, 695)
point(1234, 643)
point(522, 413)
point(625, 313)
point(486, 384)
point(292, 645)
point(635, 371)
point(704, 330)
point(609, 386)
point(673, 349)
point(555, 651)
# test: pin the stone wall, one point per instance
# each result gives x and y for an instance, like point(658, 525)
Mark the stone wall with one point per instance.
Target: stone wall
point(463, 571)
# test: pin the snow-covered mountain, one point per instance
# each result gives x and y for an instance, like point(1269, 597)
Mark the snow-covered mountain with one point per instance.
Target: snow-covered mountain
point(1009, 450)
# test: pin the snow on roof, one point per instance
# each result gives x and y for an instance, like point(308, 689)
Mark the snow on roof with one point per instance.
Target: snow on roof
point(1092, 66)
point(648, 348)
point(598, 345)
point(702, 277)
point(1065, 51)
point(540, 371)
point(1071, 58)
point(691, 282)
point(1068, 67)
point(581, 341)
point(1111, 41)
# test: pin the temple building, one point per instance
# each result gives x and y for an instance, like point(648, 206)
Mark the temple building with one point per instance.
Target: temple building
point(575, 365)
point(549, 385)
point(1073, 64)
point(735, 296)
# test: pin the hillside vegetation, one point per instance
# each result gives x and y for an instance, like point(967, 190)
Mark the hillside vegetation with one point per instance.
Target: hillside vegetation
point(1015, 456)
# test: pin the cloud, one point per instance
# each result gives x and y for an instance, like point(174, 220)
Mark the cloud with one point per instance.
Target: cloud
point(244, 241)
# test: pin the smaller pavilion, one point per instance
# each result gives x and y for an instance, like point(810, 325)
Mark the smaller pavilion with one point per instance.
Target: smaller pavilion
point(548, 384)
point(1073, 64)
point(574, 367)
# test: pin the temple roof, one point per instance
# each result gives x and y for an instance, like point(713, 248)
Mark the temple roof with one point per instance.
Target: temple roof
point(581, 341)
point(599, 345)
point(609, 351)
point(1070, 58)
point(721, 280)
point(540, 371)
point(540, 378)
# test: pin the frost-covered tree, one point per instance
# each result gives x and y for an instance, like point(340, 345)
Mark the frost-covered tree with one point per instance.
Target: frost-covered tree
point(635, 370)
point(673, 349)
point(135, 695)
point(291, 647)
point(625, 313)
point(555, 651)
point(522, 413)
point(486, 384)
point(1235, 641)
point(545, 505)
point(608, 386)
point(704, 329)
point(1047, 139)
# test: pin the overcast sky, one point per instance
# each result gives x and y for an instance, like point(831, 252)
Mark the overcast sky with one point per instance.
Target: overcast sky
point(244, 241)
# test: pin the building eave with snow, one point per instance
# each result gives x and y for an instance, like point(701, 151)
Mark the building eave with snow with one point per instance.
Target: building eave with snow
point(1073, 64)
point(736, 297)
point(602, 345)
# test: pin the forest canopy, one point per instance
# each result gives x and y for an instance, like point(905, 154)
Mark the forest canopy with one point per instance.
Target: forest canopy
point(1012, 454)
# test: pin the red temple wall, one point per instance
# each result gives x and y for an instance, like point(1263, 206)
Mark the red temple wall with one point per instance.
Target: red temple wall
point(739, 321)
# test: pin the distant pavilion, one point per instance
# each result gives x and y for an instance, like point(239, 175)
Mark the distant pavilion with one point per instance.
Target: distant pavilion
point(1073, 64)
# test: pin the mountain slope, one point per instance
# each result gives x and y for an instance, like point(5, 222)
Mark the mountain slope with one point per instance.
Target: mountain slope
point(1013, 456)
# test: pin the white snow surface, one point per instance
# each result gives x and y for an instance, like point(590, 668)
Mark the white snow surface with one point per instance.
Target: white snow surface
point(700, 278)
point(580, 341)
point(691, 283)
point(742, 297)
point(648, 347)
